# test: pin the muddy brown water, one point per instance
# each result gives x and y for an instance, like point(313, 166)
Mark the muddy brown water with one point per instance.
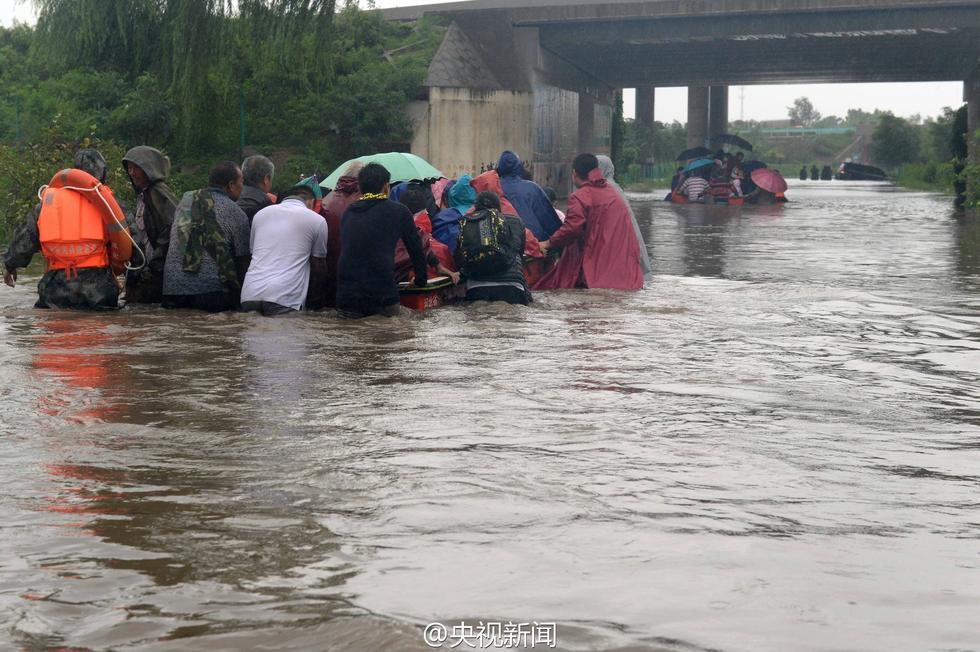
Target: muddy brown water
point(772, 447)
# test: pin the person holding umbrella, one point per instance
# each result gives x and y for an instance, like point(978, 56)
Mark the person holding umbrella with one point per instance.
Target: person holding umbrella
point(770, 187)
point(696, 184)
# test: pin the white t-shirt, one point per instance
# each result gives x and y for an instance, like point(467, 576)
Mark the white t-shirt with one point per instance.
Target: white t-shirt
point(284, 237)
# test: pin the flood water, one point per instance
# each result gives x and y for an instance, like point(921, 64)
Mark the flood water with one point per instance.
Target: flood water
point(774, 446)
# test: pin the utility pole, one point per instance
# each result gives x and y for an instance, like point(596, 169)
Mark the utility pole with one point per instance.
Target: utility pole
point(241, 121)
point(17, 117)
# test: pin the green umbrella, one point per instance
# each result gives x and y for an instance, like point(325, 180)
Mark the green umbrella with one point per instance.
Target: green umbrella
point(401, 166)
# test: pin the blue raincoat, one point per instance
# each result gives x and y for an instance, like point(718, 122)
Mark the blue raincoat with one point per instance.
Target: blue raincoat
point(527, 197)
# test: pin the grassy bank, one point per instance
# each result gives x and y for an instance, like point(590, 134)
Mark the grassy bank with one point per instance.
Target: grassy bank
point(931, 176)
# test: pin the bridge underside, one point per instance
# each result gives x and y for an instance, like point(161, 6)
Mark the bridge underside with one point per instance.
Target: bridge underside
point(940, 44)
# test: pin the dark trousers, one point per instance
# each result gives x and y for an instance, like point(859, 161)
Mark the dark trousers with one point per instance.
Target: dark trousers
point(507, 293)
point(209, 301)
point(361, 312)
point(88, 288)
point(266, 308)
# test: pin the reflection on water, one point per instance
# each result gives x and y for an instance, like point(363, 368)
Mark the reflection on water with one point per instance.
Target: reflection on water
point(772, 447)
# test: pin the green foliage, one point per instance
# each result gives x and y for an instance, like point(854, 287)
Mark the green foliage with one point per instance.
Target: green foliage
point(668, 141)
point(932, 175)
point(174, 72)
point(319, 87)
point(971, 178)
point(857, 117)
point(141, 116)
point(618, 130)
point(802, 112)
point(895, 141)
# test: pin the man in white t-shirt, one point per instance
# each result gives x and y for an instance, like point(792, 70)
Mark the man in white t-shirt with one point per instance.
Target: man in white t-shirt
point(289, 253)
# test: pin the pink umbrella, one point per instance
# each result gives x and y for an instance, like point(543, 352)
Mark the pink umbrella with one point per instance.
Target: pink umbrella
point(769, 180)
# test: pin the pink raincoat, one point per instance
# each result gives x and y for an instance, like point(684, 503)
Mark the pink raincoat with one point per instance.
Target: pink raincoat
point(599, 245)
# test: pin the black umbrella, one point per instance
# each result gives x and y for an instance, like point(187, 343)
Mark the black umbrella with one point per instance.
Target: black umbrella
point(694, 152)
point(749, 166)
point(732, 139)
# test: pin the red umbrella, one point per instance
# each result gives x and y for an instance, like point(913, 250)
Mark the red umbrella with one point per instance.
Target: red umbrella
point(769, 180)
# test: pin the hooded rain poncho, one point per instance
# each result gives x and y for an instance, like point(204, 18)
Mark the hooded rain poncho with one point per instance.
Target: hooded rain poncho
point(608, 171)
point(154, 217)
point(600, 249)
point(527, 197)
point(445, 226)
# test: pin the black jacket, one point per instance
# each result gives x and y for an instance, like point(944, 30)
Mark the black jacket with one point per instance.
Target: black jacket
point(514, 248)
point(369, 231)
point(252, 201)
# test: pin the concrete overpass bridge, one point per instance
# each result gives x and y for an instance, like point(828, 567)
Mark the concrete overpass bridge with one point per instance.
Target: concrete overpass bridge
point(539, 77)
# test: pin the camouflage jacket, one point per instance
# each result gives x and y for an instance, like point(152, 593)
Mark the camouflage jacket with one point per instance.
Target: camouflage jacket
point(88, 289)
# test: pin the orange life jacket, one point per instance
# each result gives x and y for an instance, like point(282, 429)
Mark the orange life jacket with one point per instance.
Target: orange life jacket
point(75, 226)
point(72, 232)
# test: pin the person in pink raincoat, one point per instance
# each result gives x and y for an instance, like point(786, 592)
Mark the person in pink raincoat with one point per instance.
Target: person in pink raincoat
point(599, 246)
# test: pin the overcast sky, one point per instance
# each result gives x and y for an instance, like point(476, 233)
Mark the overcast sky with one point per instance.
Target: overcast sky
point(760, 102)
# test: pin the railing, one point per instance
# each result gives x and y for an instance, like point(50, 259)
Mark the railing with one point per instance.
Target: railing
point(799, 132)
point(636, 172)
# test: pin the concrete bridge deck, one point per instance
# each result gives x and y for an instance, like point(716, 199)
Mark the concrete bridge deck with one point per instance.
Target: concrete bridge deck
point(683, 42)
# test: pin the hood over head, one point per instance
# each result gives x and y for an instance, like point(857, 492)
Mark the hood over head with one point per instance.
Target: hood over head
point(151, 160)
point(490, 180)
point(509, 165)
point(462, 194)
point(606, 166)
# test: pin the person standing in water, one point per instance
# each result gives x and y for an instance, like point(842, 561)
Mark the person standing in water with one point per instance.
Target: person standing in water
point(156, 204)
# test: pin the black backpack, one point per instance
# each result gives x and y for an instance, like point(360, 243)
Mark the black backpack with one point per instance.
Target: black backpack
point(482, 239)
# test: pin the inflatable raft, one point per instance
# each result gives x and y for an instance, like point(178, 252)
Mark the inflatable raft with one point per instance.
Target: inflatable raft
point(438, 292)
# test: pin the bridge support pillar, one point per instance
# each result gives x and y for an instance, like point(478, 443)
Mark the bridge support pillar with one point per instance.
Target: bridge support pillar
point(586, 122)
point(644, 117)
point(697, 116)
point(718, 111)
point(971, 95)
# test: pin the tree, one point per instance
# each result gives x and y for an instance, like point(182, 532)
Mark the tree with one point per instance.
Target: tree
point(618, 128)
point(857, 117)
point(802, 112)
point(895, 141)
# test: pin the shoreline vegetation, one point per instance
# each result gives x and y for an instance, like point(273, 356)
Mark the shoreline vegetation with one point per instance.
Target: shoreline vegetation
point(308, 83)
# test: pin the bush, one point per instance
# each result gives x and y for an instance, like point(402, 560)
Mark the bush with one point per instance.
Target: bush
point(934, 176)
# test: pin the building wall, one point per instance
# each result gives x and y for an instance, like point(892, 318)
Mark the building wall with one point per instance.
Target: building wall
point(461, 130)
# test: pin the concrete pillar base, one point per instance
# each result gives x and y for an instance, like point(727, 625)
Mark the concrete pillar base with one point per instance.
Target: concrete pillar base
point(718, 111)
point(697, 116)
point(644, 117)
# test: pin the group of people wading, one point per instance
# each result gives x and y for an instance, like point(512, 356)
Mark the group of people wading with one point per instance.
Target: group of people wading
point(726, 179)
point(233, 245)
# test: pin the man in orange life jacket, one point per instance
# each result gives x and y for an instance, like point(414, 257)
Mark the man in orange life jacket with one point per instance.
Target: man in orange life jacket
point(78, 273)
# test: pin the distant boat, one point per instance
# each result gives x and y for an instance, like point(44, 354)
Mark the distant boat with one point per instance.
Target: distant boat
point(858, 172)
